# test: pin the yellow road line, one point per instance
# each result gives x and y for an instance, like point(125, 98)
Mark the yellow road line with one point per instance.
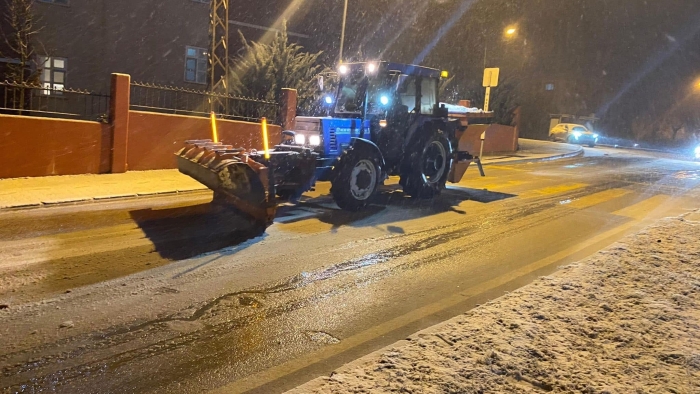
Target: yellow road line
point(642, 208)
point(558, 189)
point(598, 198)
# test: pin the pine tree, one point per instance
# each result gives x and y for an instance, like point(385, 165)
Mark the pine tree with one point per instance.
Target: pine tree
point(263, 70)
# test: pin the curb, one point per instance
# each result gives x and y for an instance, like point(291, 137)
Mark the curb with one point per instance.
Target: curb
point(105, 198)
point(568, 155)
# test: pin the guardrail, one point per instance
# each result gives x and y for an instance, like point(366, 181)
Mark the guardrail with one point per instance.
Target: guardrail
point(37, 100)
point(182, 101)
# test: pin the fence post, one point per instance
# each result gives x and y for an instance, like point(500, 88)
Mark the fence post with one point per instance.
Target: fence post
point(288, 109)
point(119, 119)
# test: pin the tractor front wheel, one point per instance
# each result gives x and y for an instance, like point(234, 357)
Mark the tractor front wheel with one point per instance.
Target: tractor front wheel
point(355, 179)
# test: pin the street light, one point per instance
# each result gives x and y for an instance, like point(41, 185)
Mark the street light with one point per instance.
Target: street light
point(508, 33)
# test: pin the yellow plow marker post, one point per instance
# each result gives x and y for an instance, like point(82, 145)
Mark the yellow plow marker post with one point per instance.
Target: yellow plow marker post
point(214, 134)
point(266, 142)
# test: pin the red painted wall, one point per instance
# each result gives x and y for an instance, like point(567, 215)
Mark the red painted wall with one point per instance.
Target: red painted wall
point(34, 146)
point(155, 137)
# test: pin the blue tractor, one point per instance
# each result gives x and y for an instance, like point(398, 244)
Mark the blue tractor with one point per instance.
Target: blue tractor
point(385, 120)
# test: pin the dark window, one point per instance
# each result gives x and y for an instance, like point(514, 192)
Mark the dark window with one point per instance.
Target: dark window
point(196, 65)
point(62, 2)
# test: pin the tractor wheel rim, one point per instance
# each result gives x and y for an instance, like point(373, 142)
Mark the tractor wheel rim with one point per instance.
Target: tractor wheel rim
point(434, 162)
point(363, 180)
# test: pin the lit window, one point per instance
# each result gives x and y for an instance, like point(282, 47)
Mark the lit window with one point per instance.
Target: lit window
point(549, 87)
point(53, 74)
point(196, 65)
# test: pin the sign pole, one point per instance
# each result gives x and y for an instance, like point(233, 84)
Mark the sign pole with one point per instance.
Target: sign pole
point(487, 99)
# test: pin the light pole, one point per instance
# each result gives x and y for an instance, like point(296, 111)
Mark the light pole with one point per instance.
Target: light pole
point(342, 33)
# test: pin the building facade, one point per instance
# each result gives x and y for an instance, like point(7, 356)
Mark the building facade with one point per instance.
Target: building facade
point(81, 42)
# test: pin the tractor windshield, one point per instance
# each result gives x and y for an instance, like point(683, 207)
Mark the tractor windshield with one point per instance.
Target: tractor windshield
point(351, 93)
point(356, 87)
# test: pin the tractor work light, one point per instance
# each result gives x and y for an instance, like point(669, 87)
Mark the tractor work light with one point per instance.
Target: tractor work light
point(343, 69)
point(329, 100)
point(315, 140)
point(371, 68)
point(300, 139)
point(444, 74)
point(384, 100)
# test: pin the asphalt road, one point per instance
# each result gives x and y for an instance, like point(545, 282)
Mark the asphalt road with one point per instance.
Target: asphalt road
point(169, 295)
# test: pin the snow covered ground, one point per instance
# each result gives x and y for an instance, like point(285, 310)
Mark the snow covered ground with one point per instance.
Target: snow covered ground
point(626, 320)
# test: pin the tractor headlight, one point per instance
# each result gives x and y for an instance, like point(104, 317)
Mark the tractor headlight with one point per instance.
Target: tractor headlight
point(343, 69)
point(300, 139)
point(329, 100)
point(577, 134)
point(384, 100)
point(315, 140)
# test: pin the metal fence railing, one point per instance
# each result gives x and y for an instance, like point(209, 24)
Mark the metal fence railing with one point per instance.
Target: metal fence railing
point(174, 100)
point(36, 100)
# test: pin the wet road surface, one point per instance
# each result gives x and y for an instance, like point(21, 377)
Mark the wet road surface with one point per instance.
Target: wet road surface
point(170, 295)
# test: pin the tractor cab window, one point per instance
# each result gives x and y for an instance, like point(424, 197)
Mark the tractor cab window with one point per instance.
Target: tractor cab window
point(407, 91)
point(351, 93)
point(428, 95)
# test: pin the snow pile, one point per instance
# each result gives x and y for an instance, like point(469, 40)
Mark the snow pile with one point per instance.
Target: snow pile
point(626, 320)
point(458, 109)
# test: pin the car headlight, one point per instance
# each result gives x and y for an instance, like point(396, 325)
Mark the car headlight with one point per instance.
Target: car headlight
point(300, 139)
point(315, 140)
point(697, 152)
point(595, 135)
point(577, 134)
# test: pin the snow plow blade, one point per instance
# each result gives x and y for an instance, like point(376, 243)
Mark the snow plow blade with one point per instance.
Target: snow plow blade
point(236, 178)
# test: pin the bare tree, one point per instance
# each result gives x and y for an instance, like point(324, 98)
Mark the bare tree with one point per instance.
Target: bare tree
point(20, 41)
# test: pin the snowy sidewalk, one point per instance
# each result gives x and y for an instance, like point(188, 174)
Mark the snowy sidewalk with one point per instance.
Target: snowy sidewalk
point(51, 190)
point(626, 320)
point(18, 193)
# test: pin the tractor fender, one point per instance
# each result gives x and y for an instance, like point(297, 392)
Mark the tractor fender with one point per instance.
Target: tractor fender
point(365, 145)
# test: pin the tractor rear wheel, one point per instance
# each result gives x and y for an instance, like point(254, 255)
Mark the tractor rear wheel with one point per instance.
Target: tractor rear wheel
point(355, 179)
point(426, 168)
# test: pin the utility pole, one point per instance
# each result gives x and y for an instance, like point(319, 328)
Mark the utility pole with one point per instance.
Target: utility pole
point(342, 33)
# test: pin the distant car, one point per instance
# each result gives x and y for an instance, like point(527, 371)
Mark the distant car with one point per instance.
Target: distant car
point(573, 134)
